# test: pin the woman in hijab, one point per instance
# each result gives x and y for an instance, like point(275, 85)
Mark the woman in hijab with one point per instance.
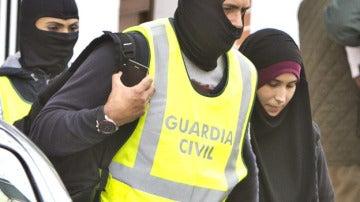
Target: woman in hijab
point(48, 33)
point(292, 166)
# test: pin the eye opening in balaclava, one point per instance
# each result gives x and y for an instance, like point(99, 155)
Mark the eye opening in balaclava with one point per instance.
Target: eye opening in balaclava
point(45, 50)
point(204, 32)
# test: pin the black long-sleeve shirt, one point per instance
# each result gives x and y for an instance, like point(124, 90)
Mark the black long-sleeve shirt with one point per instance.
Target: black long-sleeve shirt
point(66, 131)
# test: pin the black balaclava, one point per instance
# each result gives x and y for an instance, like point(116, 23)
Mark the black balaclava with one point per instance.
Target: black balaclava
point(284, 145)
point(45, 50)
point(204, 31)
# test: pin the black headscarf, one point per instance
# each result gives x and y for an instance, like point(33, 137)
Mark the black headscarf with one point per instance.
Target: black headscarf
point(204, 31)
point(285, 144)
point(48, 51)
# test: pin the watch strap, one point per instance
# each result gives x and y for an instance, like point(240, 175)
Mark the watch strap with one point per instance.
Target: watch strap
point(102, 120)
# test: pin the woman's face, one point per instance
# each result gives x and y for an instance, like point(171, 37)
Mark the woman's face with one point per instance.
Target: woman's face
point(58, 25)
point(277, 93)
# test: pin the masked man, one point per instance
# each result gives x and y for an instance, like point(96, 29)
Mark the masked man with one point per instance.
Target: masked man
point(48, 33)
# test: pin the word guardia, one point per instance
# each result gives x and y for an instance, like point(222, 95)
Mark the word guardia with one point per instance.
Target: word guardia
point(202, 131)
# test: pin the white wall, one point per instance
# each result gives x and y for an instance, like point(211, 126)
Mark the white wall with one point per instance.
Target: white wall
point(12, 28)
point(95, 17)
point(280, 14)
point(164, 8)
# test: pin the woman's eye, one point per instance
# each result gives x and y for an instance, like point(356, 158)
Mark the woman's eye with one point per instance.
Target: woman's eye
point(273, 83)
point(292, 85)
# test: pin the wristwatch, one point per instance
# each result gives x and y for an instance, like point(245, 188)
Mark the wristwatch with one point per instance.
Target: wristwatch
point(104, 124)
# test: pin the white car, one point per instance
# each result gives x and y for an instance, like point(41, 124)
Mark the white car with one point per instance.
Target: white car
point(25, 172)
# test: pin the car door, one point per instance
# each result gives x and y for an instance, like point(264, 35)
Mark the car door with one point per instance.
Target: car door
point(25, 172)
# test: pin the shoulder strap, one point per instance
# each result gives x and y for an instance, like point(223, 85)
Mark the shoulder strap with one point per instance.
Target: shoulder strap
point(124, 46)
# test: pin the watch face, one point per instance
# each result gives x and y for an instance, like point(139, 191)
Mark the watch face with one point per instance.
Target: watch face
point(106, 127)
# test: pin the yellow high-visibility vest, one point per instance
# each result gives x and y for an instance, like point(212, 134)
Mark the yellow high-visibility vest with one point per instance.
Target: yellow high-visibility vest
point(187, 146)
point(13, 105)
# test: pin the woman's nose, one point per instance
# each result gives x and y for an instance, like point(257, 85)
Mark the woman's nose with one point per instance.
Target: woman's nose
point(280, 96)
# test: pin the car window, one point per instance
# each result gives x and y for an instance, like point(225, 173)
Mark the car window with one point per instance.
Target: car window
point(14, 183)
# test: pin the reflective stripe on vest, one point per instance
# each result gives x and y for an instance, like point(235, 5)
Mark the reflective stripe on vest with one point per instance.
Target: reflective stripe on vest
point(14, 107)
point(187, 146)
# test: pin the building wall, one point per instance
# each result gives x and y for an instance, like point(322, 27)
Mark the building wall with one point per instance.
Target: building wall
point(8, 27)
point(95, 16)
point(164, 8)
point(135, 12)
